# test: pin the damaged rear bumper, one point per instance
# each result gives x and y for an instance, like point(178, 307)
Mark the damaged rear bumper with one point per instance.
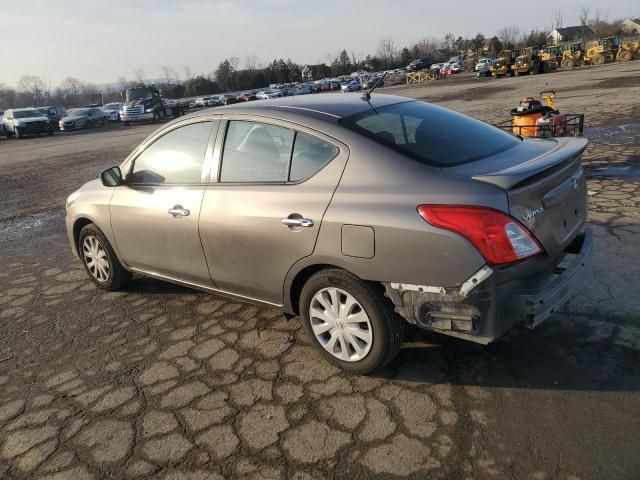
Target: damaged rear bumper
point(491, 301)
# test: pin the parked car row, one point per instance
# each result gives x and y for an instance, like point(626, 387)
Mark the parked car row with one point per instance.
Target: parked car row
point(20, 122)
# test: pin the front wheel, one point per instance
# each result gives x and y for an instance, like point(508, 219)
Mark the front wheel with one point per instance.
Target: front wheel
point(625, 56)
point(350, 321)
point(100, 261)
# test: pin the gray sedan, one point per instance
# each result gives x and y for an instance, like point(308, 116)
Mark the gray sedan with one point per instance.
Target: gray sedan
point(355, 213)
point(82, 118)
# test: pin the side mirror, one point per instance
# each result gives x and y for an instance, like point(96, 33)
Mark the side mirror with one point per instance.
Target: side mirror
point(111, 177)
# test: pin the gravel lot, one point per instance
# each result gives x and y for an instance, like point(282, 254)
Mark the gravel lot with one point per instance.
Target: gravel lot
point(162, 381)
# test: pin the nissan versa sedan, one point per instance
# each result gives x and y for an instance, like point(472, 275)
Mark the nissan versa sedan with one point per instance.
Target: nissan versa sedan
point(356, 213)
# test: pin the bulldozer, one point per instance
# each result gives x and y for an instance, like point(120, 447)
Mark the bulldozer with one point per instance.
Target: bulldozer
point(629, 51)
point(604, 52)
point(550, 58)
point(503, 63)
point(528, 62)
point(573, 56)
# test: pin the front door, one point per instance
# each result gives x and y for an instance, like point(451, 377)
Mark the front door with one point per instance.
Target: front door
point(264, 214)
point(155, 215)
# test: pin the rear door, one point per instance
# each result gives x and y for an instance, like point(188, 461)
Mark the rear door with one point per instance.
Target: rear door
point(264, 213)
point(154, 216)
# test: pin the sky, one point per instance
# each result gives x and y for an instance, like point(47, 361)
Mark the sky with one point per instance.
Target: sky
point(100, 41)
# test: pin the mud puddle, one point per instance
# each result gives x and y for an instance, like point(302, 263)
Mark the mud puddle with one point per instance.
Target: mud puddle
point(31, 227)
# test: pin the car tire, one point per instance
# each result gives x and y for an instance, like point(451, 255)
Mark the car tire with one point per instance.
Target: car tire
point(384, 326)
point(106, 272)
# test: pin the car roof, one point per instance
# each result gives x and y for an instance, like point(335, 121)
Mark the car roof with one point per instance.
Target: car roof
point(331, 106)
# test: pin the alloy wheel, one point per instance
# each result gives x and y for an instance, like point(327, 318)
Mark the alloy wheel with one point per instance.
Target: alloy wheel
point(340, 324)
point(95, 258)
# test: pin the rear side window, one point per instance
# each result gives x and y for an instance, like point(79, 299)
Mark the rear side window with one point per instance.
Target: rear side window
point(256, 152)
point(431, 134)
point(176, 157)
point(309, 156)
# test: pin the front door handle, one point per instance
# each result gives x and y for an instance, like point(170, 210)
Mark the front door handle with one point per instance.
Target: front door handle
point(178, 211)
point(297, 222)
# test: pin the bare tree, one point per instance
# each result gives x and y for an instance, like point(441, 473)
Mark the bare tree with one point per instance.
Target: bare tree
point(356, 58)
point(251, 62)
point(599, 22)
point(139, 74)
point(34, 87)
point(584, 16)
point(428, 47)
point(71, 87)
point(557, 20)
point(388, 52)
point(170, 75)
point(509, 36)
point(235, 63)
point(187, 74)
point(584, 19)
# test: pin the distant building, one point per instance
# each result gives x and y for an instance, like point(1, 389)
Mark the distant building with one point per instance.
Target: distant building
point(631, 26)
point(570, 34)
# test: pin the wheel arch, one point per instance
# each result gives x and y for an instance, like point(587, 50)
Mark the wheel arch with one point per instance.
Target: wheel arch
point(297, 281)
point(78, 225)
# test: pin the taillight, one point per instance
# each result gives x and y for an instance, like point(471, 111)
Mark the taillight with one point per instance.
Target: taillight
point(498, 237)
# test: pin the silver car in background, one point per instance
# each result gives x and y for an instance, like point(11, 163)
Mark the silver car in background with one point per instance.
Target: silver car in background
point(82, 118)
point(355, 212)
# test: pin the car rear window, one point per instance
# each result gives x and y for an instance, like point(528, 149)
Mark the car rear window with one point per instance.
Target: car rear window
point(431, 134)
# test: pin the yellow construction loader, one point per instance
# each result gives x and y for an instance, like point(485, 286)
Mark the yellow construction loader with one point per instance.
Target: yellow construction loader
point(573, 56)
point(503, 63)
point(629, 51)
point(604, 52)
point(527, 63)
point(551, 57)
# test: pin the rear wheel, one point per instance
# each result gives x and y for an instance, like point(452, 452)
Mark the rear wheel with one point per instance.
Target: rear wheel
point(99, 259)
point(598, 59)
point(350, 321)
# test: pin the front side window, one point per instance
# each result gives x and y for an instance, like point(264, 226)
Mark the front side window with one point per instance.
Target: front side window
point(176, 157)
point(256, 152)
point(431, 134)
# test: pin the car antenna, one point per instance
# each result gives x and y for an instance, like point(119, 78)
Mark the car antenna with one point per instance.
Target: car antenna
point(367, 94)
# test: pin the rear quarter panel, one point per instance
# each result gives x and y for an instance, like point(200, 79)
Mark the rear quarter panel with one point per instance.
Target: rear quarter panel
point(381, 188)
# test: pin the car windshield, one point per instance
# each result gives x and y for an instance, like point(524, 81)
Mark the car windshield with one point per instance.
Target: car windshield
point(111, 106)
point(27, 113)
point(78, 112)
point(431, 134)
point(139, 94)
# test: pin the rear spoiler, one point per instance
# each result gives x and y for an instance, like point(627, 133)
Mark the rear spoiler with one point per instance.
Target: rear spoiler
point(567, 148)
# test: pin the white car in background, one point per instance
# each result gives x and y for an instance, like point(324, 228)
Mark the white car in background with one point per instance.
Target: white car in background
point(112, 111)
point(483, 67)
point(267, 94)
point(18, 122)
point(210, 101)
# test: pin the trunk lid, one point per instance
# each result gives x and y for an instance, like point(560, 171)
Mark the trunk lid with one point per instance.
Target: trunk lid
point(545, 185)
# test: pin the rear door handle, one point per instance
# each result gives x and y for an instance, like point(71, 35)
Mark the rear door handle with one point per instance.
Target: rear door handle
point(297, 222)
point(178, 211)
